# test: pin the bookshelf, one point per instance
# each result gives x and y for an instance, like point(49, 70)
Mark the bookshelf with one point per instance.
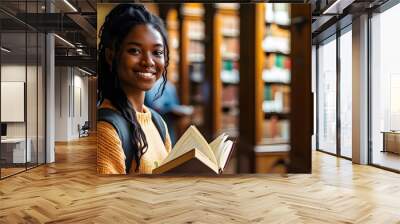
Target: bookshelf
point(271, 97)
point(275, 120)
point(276, 74)
point(192, 59)
point(172, 26)
point(228, 27)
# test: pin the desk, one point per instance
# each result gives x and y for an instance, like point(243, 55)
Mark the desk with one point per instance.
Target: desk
point(391, 141)
point(13, 150)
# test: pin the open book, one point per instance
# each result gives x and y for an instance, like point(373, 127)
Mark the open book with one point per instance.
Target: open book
point(192, 154)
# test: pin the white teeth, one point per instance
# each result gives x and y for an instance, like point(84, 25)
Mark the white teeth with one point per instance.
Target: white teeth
point(145, 74)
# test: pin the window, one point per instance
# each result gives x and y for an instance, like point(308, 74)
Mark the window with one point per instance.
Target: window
point(346, 93)
point(326, 90)
point(385, 88)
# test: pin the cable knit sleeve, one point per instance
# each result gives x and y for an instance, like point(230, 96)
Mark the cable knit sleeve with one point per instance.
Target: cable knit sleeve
point(110, 155)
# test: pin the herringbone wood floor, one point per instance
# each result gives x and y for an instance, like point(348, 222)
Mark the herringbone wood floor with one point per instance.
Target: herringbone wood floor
point(69, 191)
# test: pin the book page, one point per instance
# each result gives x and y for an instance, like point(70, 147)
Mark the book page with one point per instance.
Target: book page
point(191, 139)
point(217, 145)
point(226, 149)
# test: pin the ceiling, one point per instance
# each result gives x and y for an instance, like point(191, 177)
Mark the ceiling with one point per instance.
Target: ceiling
point(75, 26)
point(326, 21)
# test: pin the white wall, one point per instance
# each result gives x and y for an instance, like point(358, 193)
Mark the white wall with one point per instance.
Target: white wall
point(33, 127)
point(12, 73)
point(61, 103)
point(71, 93)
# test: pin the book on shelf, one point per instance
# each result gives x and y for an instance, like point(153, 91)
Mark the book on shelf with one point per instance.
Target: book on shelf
point(230, 96)
point(196, 58)
point(196, 48)
point(230, 46)
point(230, 22)
point(276, 74)
point(196, 36)
point(276, 99)
point(276, 44)
point(275, 129)
point(230, 73)
point(196, 71)
point(193, 155)
point(230, 32)
point(277, 13)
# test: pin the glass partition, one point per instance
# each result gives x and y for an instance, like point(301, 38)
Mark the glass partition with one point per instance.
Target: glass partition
point(15, 150)
point(22, 88)
point(327, 96)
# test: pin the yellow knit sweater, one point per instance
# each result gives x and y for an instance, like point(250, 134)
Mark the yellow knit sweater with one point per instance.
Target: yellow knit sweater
point(110, 154)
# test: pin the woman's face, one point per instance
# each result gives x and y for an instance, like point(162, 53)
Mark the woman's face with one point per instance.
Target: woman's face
point(142, 60)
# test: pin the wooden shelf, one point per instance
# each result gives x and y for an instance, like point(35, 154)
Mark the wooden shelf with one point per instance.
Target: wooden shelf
point(230, 33)
point(230, 83)
point(282, 26)
point(277, 52)
point(196, 82)
point(230, 57)
point(196, 61)
point(194, 38)
point(269, 115)
point(276, 83)
point(228, 107)
point(274, 147)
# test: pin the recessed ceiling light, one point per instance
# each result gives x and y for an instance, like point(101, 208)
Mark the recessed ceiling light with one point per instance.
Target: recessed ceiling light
point(5, 50)
point(84, 71)
point(337, 7)
point(65, 41)
point(70, 5)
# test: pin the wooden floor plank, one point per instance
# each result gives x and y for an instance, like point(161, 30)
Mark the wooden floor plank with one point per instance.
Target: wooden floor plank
point(70, 191)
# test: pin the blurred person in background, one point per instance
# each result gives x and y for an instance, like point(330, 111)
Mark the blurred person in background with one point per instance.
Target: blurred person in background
point(168, 106)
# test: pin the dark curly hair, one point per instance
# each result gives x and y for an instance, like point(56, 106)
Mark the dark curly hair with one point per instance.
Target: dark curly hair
point(118, 23)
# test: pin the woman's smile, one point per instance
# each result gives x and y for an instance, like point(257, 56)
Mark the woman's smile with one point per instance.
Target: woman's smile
point(146, 75)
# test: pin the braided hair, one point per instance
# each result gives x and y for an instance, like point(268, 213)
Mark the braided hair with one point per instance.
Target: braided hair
point(118, 23)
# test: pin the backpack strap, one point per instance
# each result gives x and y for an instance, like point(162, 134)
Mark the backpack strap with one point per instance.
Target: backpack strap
point(159, 123)
point(122, 127)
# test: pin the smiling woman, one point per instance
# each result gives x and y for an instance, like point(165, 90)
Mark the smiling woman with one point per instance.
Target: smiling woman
point(141, 59)
point(133, 55)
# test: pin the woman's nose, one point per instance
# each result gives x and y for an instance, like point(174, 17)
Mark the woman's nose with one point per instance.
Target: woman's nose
point(147, 60)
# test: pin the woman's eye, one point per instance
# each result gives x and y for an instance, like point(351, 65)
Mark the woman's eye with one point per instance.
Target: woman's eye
point(159, 53)
point(134, 51)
